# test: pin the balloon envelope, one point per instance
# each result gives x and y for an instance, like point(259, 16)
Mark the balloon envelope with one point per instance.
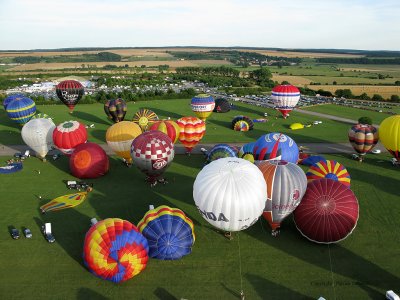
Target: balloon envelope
point(329, 169)
point(169, 232)
point(68, 135)
point(10, 98)
point(21, 110)
point(328, 212)
point(145, 118)
point(203, 105)
point(115, 250)
point(242, 123)
point(69, 92)
point(192, 131)
point(88, 160)
point(115, 109)
point(221, 151)
point(285, 97)
point(276, 146)
point(286, 185)
point(168, 127)
point(389, 134)
point(363, 138)
point(230, 193)
point(246, 152)
point(38, 135)
point(222, 105)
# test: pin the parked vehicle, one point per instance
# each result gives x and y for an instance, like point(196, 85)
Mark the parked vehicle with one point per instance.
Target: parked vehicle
point(392, 295)
point(46, 229)
point(14, 233)
point(78, 185)
point(27, 232)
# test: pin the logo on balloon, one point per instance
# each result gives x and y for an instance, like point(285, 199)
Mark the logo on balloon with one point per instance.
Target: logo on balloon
point(159, 164)
point(295, 195)
point(69, 96)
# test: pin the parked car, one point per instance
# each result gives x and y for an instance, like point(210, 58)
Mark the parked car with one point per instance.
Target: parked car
point(392, 295)
point(376, 151)
point(46, 229)
point(14, 233)
point(78, 185)
point(27, 232)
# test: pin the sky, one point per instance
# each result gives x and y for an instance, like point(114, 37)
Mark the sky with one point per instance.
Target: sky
point(318, 24)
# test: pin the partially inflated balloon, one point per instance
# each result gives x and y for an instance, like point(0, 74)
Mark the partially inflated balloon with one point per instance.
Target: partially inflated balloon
point(389, 134)
point(242, 123)
point(115, 109)
point(329, 169)
point(222, 105)
point(285, 98)
point(38, 135)
point(69, 92)
point(170, 128)
point(88, 160)
point(221, 151)
point(192, 131)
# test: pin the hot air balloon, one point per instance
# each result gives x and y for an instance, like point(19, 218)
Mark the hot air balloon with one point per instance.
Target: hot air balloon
point(168, 127)
point(88, 160)
point(21, 110)
point(120, 136)
point(389, 134)
point(311, 160)
point(286, 185)
point(70, 92)
point(115, 250)
point(221, 151)
point(363, 138)
point(242, 123)
point(68, 135)
point(169, 232)
point(230, 193)
point(222, 105)
point(63, 202)
point(145, 118)
point(277, 146)
point(10, 98)
point(115, 109)
point(329, 169)
point(38, 135)
point(285, 98)
point(152, 152)
point(192, 131)
point(203, 105)
point(246, 152)
point(328, 212)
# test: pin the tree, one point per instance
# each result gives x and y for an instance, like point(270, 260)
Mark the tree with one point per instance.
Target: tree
point(364, 96)
point(395, 98)
point(377, 97)
point(345, 93)
point(365, 120)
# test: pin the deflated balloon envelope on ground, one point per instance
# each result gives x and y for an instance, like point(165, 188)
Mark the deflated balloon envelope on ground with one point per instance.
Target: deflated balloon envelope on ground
point(11, 168)
point(230, 193)
point(63, 202)
point(221, 151)
point(329, 169)
point(115, 109)
point(88, 160)
point(328, 212)
point(68, 135)
point(277, 146)
point(21, 110)
point(115, 250)
point(169, 232)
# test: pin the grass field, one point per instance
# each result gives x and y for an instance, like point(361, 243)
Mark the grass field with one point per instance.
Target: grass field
point(218, 125)
point(363, 266)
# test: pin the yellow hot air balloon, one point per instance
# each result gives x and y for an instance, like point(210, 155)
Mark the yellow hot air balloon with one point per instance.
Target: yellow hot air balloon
point(389, 134)
point(119, 138)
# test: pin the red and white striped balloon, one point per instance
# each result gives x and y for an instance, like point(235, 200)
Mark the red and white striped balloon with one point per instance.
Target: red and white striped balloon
point(68, 135)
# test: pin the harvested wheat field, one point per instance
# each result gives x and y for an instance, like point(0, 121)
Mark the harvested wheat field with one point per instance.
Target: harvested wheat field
point(295, 80)
point(370, 90)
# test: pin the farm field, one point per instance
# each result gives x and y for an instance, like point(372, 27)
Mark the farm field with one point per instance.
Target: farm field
point(364, 265)
point(385, 91)
point(218, 125)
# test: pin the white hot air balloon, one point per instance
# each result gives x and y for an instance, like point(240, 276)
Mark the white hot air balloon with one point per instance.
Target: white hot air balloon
point(38, 135)
point(230, 193)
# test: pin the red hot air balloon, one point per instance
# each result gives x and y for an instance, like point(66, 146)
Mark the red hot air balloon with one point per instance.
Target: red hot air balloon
point(285, 98)
point(68, 135)
point(328, 212)
point(170, 128)
point(88, 160)
point(70, 92)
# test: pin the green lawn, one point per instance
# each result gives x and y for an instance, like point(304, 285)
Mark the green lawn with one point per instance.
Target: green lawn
point(218, 124)
point(363, 266)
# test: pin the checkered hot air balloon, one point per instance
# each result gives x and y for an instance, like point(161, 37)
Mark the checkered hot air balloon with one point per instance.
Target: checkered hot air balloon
point(203, 105)
point(169, 232)
point(70, 92)
point(152, 152)
point(285, 98)
point(363, 138)
point(329, 169)
point(115, 109)
point(145, 118)
point(192, 131)
point(21, 109)
point(68, 135)
point(168, 127)
point(115, 250)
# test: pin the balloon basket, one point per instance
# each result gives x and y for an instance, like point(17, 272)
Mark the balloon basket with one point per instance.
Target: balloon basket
point(154, 181)
point(228, 235)
point(275, 232)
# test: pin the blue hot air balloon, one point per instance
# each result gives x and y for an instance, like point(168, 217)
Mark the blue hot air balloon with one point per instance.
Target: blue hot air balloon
point(11, 98)
point(276, 146)
point(220, 151)
point(21, 110)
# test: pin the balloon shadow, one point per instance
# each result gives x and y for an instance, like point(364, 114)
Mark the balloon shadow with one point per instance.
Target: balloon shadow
point(88, 294)
point(163, 294)
point(91, 118)
point(98, 134)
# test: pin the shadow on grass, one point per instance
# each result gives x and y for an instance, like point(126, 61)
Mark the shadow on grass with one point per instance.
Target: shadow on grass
point(163, 294)
point(90, 118)
point(164, 114)
point(88, 294)
point(98, 134)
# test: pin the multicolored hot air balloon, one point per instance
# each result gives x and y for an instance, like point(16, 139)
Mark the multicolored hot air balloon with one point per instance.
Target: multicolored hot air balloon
point(169, 232)
point(68, 135)
point(363, 137)
point(329, 169)
point(192, 131)
point(242, 123)
point(276, 146)
point(152, 152)
point(230, 193)
point(120, 136)
point(38, 135)
point(222, 105)
point(203, 105)
point(144, 118)
point(221, 151)
point(389, 134)
point(286, 185)
point(63, 202)
point(328, 212)
point(21, 110)
point(88, 160)
point(115, 109)
point(168, 127)
point(70, 92)
point(115, 250)
point(10, 98)
point(285, 98)
point(246, 152)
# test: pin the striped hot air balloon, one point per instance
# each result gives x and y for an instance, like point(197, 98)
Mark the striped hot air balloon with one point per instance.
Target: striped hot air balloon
point(203, 105)
point(88, 160)
point(328, 212)
point(285, 98)
point(145, 118)
point(115, 250)
point(192, 131)
point(120, 136)
point(246, 152)
point(21, 110)
point(363, 138)
point(115, 109)
point(70, 92)
point(222, 105)
point(10, 98)
point(389, 134)
point(221, 151)
point(242, 123)
point(168, 127)
point(68, 135)
point(329, 169)
point(169, 232)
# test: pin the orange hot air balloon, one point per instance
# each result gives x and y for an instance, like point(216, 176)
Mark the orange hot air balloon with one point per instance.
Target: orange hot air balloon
point(192, 131)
